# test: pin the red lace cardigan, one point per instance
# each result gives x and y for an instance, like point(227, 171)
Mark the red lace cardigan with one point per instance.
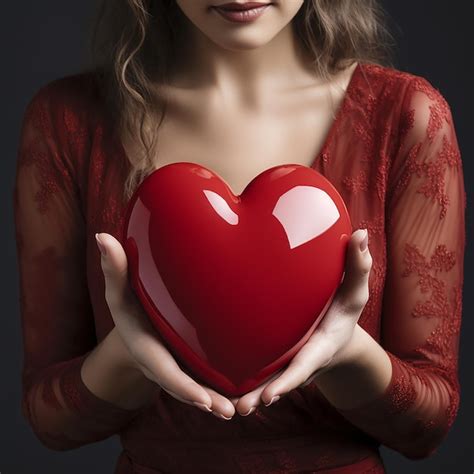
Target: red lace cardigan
point(392, 153)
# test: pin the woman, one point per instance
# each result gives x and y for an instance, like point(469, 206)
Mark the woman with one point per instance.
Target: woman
point(303, 82)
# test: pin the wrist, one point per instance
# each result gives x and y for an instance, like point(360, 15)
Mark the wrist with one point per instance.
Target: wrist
point(360, 374)
point(110, 373)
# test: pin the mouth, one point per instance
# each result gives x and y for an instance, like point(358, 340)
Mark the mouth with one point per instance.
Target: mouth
point(232, 6)
point(241, 12)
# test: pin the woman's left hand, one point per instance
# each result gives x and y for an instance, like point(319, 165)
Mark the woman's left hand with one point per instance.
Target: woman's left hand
point(329, 344)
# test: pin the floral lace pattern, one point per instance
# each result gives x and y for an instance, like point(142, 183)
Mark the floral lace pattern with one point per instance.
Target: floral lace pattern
point(394, 157)
point(425, 248)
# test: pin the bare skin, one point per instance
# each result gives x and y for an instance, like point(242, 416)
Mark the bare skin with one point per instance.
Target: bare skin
point(238, 143)
point(244, 159)
point(241, 100)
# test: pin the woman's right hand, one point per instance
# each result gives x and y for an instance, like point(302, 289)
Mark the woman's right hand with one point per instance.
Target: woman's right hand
point(143, 348)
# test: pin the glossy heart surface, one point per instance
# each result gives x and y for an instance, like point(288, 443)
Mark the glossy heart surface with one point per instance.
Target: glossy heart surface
point(235, 284)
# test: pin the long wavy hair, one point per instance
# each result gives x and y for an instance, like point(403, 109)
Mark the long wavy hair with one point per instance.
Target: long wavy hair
point(133, 41)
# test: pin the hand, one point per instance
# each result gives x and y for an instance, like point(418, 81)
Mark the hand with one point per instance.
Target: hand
point(328, 346)
point(144, 349)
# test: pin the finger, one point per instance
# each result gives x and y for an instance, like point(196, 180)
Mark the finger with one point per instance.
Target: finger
point(352, 294)
point(321, 370)
point(234, 401)
point(253, 398)
point(126, 310)
point(307, 362)
point(220, 404)
point(115, 269)
point(168, 374)
point(357, 263)
point(308, 381)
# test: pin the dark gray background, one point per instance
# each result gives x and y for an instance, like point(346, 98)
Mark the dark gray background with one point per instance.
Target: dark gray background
point(45, 40)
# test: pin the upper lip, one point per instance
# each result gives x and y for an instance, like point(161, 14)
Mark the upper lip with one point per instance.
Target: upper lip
point(241, 6)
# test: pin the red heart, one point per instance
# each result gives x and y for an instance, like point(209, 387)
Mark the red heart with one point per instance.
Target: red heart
point(235, 285)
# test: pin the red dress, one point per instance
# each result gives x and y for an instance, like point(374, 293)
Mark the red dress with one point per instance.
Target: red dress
point(392, 153)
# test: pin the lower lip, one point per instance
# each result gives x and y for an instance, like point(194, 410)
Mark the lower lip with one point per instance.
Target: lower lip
point(242, 16)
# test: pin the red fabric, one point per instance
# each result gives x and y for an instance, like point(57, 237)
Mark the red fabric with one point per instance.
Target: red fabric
point(393, 155)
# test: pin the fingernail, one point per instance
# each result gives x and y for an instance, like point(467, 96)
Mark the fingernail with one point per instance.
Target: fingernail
point(102, 249)
point(365, 240)
point(250, 411)
point(274, 399)
point(203, 406)
point(220, 415)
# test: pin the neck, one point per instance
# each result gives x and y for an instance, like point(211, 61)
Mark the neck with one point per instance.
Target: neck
point(245, 74)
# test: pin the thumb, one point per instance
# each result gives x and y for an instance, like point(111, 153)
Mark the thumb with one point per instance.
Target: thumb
point(114, 264)
point(358, 264)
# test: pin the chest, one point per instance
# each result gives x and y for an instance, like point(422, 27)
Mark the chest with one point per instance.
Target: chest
point(238, 144)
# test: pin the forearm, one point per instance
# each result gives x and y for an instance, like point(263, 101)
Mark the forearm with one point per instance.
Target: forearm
point(406, 406)
point(108, 374)
point(362, 373)
point(86, 398)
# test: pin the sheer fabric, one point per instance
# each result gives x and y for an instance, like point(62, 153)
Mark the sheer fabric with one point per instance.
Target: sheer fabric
point(393, 155)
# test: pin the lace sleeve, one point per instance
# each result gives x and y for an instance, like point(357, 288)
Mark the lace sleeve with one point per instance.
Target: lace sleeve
point(422, 303)
point(56, 313)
